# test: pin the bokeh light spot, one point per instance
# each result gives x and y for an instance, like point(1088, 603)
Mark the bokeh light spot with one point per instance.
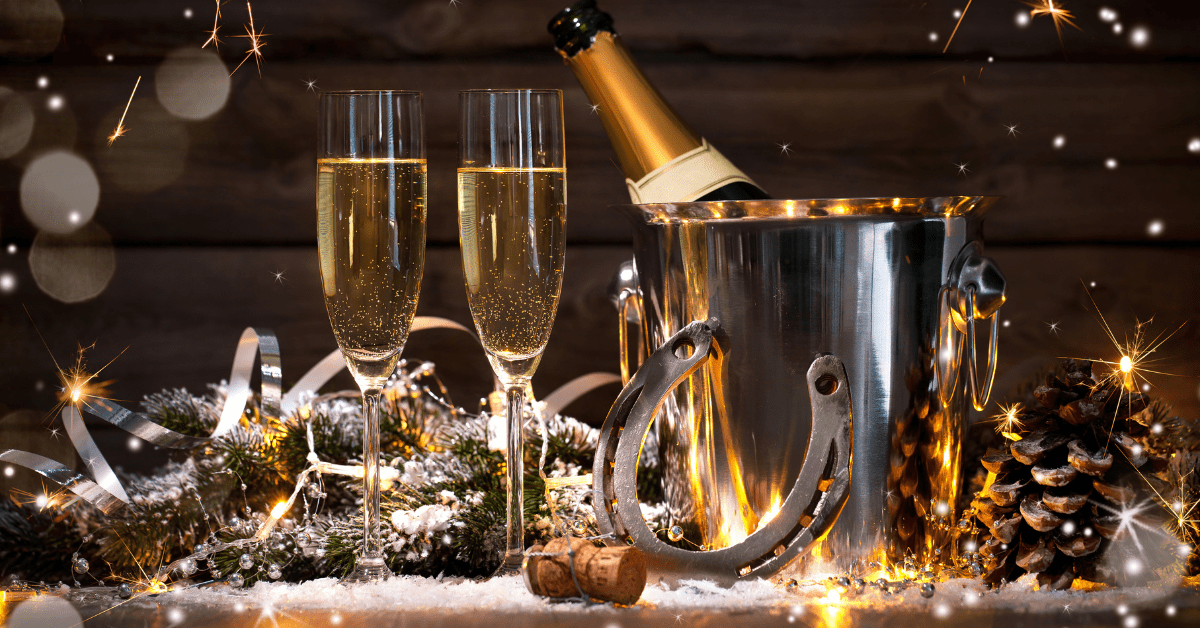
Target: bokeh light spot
point(56, 185)
point(30, 28)
point(1139, 37)
point(150, 155)
point(16, 122)
point(75, 267)
point(44, 611)
point(192, 83)
point(8, 282)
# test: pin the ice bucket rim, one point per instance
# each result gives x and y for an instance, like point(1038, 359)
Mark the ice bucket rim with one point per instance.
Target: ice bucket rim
point(809, 209)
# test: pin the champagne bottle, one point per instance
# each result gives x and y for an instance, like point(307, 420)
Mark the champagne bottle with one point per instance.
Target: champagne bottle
point(663, 159)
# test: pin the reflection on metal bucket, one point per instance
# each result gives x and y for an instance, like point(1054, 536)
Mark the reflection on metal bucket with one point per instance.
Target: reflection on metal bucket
point(892, 286)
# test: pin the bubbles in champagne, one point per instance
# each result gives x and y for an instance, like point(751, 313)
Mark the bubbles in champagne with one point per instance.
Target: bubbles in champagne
point(512, 224)
point(371, 241)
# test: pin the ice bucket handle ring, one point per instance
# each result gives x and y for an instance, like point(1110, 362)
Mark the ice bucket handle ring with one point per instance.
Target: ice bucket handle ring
point(806, 514)
point(625, 294)
point(974, 292)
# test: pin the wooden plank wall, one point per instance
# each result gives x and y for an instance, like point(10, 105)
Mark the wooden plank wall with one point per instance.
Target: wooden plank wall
point(863, 96)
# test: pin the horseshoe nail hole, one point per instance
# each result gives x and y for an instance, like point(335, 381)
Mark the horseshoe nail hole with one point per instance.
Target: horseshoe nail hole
point(683, 349)
point(826, 384)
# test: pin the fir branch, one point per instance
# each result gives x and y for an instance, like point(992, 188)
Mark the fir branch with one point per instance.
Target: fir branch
point(179, 411)
point(37, 543)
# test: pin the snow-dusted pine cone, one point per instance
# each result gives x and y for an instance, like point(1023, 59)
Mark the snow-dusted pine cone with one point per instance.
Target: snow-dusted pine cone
point(1054, 506)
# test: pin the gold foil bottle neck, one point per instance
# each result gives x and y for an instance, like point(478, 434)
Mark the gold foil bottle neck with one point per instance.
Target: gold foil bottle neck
point(645, 132)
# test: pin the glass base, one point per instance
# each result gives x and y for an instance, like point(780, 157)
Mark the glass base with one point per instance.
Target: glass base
point(369, 570)
point(510, 566)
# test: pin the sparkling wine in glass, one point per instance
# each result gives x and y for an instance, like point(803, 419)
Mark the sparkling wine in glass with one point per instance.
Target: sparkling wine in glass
point(512, 209)
point(371, 182)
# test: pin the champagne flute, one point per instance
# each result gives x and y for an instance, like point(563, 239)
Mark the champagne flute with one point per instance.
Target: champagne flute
point(371, 182)
point(512, 209)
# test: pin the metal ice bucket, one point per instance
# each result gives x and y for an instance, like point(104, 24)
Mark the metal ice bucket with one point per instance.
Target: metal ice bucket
point(892, 286)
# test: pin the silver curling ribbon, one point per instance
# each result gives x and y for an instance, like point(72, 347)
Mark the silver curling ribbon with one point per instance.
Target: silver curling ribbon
point(106, 491)
point(69, 479)
point(90, 453)
point(264, 343)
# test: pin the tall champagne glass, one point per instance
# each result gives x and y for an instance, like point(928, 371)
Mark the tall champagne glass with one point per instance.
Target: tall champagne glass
point(371, 239)
point(512, 209)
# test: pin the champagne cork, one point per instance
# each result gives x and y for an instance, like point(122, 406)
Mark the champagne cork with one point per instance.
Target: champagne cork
point(613, 574)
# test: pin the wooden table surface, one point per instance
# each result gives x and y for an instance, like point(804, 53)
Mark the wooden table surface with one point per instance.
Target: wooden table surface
point(100, 608)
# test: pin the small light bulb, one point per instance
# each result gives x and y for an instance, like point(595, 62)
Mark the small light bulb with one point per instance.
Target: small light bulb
point(279, 510)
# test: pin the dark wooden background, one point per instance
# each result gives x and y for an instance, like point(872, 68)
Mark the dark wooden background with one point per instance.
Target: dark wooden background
point(867, 102)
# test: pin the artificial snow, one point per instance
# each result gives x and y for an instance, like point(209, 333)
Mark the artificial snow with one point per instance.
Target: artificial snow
point(508, 594)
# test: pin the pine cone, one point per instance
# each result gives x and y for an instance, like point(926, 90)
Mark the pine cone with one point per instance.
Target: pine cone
point(1052, 508)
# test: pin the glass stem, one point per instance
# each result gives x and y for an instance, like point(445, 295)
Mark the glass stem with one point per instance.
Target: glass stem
point(372, 544)
point(516, 476)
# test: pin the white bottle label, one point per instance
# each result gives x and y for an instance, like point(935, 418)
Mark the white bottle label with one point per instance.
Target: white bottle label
point(686, 178)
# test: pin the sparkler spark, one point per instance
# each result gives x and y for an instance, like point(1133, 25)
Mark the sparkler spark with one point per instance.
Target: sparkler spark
point(1182, 506)
point(1012, 129)
point(311, 85)
point(1128, 372)
point(785, 148)
point(1058, 14)
point(256, 43)
point(1008, 422)
point(1053, 327)
point(956, 25)
point(212, 35)
point(43, 500)
point(77, 384)
point(120, 130)
point(962, 168)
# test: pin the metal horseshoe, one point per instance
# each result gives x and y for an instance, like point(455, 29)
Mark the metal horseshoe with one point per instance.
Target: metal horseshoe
point(806, 515)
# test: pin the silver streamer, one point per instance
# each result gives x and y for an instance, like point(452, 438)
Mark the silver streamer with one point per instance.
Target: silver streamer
point(105, 491)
